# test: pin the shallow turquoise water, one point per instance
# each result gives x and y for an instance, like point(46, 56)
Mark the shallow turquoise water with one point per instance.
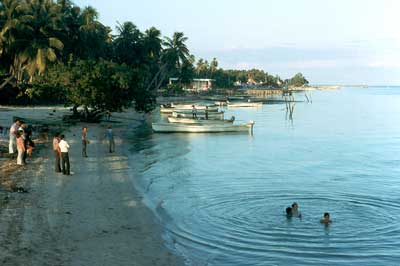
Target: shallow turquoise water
point(222, 196)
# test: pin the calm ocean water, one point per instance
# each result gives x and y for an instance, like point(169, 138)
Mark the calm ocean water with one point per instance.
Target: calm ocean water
point(222, 197)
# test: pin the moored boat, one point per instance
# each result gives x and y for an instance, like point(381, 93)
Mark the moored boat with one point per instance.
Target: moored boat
point(198, 106)
point(200, 114)
point(183, 120)
point(186, 108)
point(245, 104)
point(196, 128)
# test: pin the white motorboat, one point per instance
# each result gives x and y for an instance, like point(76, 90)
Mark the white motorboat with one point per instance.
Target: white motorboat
point(198, 106)
point(244, 104)
point(182, 120)
point(200, 114)
point(186, 108)
point(221, 103)
point(196, 128)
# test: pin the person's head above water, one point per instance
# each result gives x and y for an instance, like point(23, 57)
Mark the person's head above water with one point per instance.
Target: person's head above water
point(326, 219)
point(295, 206)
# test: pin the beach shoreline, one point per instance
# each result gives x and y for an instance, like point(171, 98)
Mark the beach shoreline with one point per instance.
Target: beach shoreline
point(94, 217)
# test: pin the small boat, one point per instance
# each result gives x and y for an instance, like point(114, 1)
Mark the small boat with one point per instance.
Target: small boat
point(245, 104)
point(181, 120)
point(166, 110)
point(196, 128)
point(200, 114)
point(221, 103)
point(186, 108)
point(198, 106)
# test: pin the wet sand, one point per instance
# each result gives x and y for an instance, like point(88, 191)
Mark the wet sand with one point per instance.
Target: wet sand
point(93, 217)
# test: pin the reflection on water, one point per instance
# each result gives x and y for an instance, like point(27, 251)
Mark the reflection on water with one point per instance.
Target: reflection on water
point(222, 197)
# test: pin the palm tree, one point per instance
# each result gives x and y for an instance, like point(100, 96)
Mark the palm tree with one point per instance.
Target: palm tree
point(41, 44)
point(128, 44)
point(11, 22)
point(93, 35)
point(153, 43)
point(176, 50)
point(28, 36)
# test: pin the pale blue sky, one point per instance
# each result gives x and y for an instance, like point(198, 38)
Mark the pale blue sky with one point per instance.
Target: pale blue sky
point(331, 42)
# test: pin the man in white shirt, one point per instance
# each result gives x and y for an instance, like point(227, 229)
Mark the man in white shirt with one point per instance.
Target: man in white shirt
point(13, 137)
point(64, 147)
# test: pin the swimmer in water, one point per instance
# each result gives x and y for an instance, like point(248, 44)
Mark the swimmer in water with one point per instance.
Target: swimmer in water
point(295, 210)
point(326, 220)
point(289, 213)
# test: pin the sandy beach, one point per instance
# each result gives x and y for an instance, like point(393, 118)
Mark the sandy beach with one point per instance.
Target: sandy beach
point(93, 217)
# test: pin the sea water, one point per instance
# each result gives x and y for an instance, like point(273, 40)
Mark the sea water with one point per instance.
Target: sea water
point(222, 197)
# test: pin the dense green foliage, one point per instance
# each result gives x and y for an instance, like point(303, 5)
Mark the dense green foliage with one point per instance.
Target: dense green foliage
point(54, 51)
point(298, 80)
point(231, 78)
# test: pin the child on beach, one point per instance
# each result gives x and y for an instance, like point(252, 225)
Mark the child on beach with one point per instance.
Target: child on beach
point(326, 220)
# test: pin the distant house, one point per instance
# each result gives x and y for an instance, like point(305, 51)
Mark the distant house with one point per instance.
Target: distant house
point(195, 84)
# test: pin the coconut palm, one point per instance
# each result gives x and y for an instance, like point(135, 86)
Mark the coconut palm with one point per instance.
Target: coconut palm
point(29, 36)
point(11, 28)
point(94, 36)
point(176, 51)
point(128, 46)
point(43, 45)
point(153, 43)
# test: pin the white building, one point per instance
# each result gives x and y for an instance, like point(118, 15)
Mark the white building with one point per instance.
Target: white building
point(195, 84)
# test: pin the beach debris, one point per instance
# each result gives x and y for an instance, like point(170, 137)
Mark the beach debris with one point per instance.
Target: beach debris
point(16, 189)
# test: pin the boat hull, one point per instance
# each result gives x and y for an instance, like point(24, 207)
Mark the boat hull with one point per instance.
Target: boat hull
point(211, 115)
point(169, 110)
point(186, 128)
point(198, 121)
point(240, 105)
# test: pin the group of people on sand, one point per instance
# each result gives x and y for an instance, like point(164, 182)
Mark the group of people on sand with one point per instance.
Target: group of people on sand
point(61, 149)
point(293, 211)
point(20, 141)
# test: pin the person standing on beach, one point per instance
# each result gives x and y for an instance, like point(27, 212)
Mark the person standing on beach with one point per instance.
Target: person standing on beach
point(57, 152)
point(206, 112)
point(64, 148)
point(20, 148)
point(13, 137)
point(85, 141)
point(110, 137)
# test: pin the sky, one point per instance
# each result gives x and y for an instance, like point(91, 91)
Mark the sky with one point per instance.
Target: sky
point(348, 42)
